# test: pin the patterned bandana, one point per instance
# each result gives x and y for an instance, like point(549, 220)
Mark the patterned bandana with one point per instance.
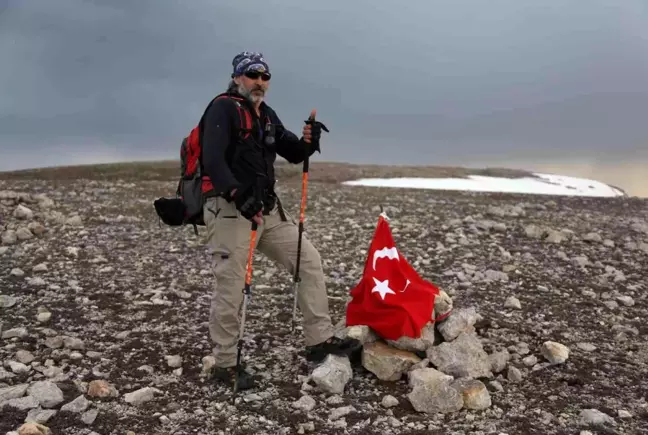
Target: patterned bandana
point(249, 61)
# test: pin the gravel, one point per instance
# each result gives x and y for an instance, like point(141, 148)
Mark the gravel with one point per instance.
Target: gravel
point(103, 317)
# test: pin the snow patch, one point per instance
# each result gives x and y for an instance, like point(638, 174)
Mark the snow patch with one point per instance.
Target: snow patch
point(539, 184)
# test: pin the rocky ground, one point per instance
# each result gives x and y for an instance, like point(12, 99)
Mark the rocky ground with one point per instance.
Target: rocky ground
point(103, 317)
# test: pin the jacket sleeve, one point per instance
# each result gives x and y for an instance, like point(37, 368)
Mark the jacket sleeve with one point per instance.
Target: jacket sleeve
point(217, 134)
point(289, 146)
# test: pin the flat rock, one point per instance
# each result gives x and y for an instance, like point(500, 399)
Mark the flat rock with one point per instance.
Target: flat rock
point(48, 394)
point(386, 362)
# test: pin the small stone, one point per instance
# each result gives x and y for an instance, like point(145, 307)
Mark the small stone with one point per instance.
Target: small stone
point(23, 213)
point(474, 393)
point(389, 401)
point(90, 416)
point(555, 353)
point(20, 332)
point(514, 374)
point(305, 403)
point(23, 233)
point(7, 301)
point(530, 360)
point(594, 417)
point(101, 388)
point(41, 267)
point(36, 228)
point(73, 343)
point(432, 392)
point(622, 413)
point(18, 367)
point(9, 237)
point(140, 396)
point(586, 347)
point(338, 413)
point(74, 221)
point(333, 374)
point(208, 364)
point(33, 429)
point(626, 300)
point(513, 302)
point(78, 405)
point(44, 317)
point(496, 386)
point(38, 415)
point(174, 361)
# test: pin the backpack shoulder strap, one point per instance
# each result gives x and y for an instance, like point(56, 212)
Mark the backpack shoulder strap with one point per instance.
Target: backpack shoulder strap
point(245, 118)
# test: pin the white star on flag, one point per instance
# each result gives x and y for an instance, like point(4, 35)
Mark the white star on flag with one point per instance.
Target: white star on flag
point(382, 287)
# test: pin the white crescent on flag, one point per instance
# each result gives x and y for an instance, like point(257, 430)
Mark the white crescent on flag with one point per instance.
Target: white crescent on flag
point(390, 253)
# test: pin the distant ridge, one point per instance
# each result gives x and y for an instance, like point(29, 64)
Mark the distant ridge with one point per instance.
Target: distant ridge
point(327, 172)
point(322, 172)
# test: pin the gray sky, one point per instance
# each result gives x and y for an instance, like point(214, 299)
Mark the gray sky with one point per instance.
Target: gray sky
point(420, 81)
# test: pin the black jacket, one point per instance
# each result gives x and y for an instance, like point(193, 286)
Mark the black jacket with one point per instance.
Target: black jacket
point(231, 162)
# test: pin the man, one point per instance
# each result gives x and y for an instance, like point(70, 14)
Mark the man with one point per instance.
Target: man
point(241, 170)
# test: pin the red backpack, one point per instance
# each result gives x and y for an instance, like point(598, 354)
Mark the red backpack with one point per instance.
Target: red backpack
point(187, 206)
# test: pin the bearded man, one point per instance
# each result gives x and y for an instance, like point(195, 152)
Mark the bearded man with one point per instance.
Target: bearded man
point(240, 165)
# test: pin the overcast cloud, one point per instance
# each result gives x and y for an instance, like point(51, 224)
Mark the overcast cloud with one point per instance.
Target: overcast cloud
point(421, 81)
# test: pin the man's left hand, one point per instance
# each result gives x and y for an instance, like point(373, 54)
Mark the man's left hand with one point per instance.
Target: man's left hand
point(313, 130)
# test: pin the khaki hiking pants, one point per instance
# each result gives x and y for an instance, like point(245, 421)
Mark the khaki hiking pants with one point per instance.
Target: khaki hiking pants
point(228, 237)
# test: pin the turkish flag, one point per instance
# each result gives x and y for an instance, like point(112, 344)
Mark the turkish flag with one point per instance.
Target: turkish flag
point(391, 298)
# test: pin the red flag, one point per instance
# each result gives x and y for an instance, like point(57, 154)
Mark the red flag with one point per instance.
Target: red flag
point(391, 298)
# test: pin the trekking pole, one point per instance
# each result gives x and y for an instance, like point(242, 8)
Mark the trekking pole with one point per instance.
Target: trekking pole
point(246, 293)
point(302, 211)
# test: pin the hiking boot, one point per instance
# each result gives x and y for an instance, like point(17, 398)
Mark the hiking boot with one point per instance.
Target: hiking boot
point(226, 375)
point(335, 346)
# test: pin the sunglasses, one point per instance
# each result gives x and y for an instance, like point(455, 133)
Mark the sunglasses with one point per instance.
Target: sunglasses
point(265, 76)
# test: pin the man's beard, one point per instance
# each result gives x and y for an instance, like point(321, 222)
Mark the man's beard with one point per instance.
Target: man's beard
point(247, 93)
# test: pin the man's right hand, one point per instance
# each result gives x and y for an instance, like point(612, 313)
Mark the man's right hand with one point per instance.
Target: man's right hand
point(249, 204)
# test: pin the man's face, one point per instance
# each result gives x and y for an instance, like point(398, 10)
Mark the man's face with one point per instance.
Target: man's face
point(253, 85)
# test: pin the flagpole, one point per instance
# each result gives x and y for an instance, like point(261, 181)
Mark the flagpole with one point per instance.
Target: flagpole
point(382, 213)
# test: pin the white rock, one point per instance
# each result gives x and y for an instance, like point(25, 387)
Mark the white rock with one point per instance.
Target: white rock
point(40, 267)
point(141, 396)
point(174, 360)
point(333, 374)
point(513, 302)
point(305, 403)
point(389, 401)
point(594, 417)
point(23, 213)
point(555, 353)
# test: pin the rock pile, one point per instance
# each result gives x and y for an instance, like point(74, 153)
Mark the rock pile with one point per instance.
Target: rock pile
point(447, 368)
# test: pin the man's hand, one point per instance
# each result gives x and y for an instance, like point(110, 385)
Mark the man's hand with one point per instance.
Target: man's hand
point(313, 130)
point(249, 205)
point(307, 131)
